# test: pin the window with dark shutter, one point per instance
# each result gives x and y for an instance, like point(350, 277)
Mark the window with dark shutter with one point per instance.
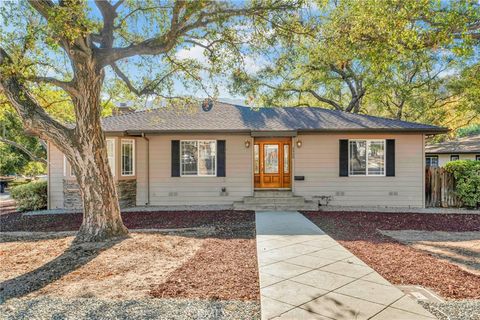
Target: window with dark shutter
point(390, 158)
point(221, 158)
point(175, 158)
point(343, 158)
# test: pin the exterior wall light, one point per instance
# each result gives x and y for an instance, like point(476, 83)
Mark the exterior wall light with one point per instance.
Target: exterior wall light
point(247, 144)
point(299, 143)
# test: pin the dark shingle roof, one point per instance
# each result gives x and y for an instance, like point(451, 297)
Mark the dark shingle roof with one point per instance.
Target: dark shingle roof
point(228, 117)
point(469, 144)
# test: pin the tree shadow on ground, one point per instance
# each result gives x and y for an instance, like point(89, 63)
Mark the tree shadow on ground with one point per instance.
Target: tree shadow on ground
point(76, 256)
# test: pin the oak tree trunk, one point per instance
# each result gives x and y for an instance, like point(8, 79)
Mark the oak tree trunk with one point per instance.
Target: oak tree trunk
point(89, 160)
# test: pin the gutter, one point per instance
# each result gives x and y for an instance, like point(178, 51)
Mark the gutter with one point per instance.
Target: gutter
point(253, 132)
point(148, 167)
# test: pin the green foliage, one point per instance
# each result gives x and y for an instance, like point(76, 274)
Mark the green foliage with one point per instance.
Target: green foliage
point(411, 60)
point(12, 159)
point(33, 169)
point(467, 179)
point(468, 131)
point(30, 196)
point(11, 162)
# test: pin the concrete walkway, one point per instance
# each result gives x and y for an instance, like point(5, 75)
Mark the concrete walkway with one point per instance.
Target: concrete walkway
point(305, 274)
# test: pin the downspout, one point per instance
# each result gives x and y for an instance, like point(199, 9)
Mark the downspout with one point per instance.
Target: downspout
point(148, 167)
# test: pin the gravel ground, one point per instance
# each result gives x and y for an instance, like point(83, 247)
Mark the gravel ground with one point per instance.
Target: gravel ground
point(400, 210)
point(454, 310)
point(57, 308)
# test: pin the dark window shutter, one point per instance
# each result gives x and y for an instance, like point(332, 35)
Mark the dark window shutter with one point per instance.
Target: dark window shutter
point(343, 158)
point(221, 158)
point(390, 158)
point(175, 158)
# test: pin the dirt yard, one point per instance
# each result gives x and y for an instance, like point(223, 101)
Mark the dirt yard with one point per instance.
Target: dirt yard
point(212, 257)
point(401, 262)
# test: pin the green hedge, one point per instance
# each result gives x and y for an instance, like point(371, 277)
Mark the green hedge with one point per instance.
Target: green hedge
point(467, 181)
point(30, 196)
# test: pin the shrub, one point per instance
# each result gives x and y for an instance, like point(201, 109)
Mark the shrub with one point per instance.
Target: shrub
point(467, 180)
point(30, 196)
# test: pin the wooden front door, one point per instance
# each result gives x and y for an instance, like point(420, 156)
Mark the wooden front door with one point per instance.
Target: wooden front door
point(272, 167)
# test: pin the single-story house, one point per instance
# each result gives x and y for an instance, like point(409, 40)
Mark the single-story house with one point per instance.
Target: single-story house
point(234, 154)
point(466, 148)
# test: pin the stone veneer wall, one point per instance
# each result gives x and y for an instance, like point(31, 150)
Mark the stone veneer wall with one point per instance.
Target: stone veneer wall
point(127, 194)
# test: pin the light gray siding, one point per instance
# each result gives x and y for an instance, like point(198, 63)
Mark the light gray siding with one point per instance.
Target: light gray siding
point(443, 159)
point(318, 161)
point(55, 173)
point(167, 190)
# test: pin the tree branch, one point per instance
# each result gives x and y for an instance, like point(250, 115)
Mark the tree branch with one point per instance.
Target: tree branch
point(109, 14)
point(24, 150)
point(65, 85)
point(148, 89)
point(32, 114)
point(164, 43)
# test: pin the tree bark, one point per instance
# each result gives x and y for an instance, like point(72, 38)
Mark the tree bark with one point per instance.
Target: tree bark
point(101, 210)
point(89, 160)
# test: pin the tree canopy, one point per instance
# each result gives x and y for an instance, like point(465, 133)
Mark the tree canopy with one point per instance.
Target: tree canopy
point(410, 60)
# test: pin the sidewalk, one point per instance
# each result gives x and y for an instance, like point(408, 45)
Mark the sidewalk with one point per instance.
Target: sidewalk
point(305, 274)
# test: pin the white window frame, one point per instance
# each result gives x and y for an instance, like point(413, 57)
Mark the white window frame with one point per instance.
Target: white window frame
point(198, 157)
point(454, 155)
point(368, 141)
point(65, 165)
point(114, 166)
point(132, 142)
point(477, 157)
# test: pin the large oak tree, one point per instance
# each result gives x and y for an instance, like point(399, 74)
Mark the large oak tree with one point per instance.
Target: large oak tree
point(73, 45)
point(335, 54)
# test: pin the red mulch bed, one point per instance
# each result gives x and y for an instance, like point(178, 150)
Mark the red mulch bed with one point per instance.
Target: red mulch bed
point(398, 263)
point(133, 220)
point(224, 269)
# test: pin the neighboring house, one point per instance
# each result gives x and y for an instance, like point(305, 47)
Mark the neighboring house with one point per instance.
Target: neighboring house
point(467, 148)
point(168, 156)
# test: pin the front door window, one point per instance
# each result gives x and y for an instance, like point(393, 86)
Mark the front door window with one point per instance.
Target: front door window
point(271, 158)
point(257, 158)
point(286, 158)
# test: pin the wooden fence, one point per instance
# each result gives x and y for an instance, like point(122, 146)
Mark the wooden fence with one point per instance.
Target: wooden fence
point(440, 189)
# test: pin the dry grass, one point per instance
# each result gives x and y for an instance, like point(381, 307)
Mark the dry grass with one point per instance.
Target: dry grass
point(121, 270)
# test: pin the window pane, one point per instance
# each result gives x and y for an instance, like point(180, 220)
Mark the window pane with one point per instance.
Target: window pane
point(358, 157)
point(271, 158)
point(207, 158)
point(111, 155)
point(432, 162)
point(376, 158)
point(127, 158)
point(189, 153)
point(256, 151)
point(286, 158)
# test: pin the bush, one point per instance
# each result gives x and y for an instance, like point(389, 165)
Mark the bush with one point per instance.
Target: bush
point(30, 196)
point(467, 181)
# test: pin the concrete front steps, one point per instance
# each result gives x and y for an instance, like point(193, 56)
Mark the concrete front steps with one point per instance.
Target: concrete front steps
point(274, 200)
